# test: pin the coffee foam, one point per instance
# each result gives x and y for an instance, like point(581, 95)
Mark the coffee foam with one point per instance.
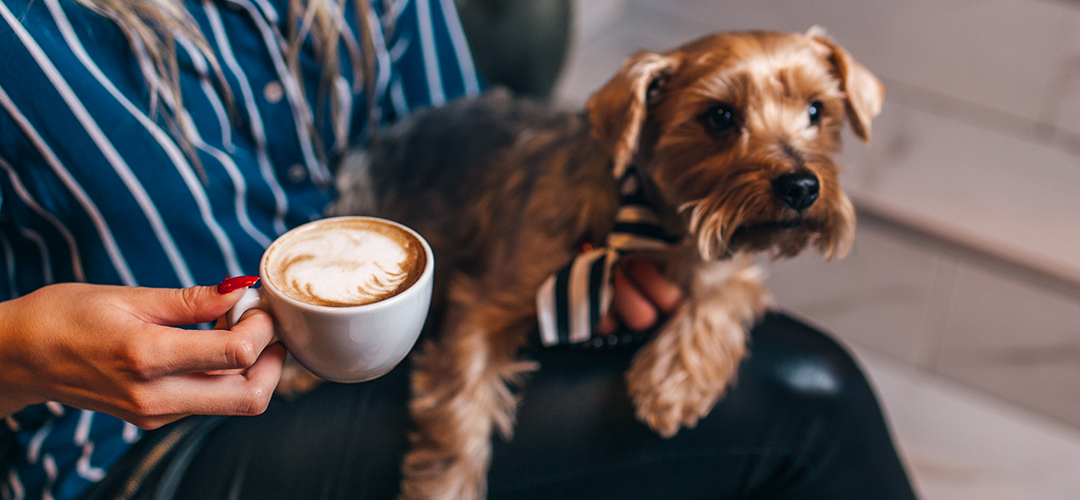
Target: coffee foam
point(345, 262)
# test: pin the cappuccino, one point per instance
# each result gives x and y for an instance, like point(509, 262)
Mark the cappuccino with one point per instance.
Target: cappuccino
point(343, 262)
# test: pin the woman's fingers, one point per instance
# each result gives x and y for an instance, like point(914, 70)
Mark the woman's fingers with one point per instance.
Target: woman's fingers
point(237, 392)
point(608, 324)
point(209, 350)
point(662, 292)
point(243, 393)
point(207, 372)
point(641, 295)
point(631, 305)
point(161, 350)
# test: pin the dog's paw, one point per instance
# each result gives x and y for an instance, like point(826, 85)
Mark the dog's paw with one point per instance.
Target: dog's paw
point(295, 380)
point(676, 378)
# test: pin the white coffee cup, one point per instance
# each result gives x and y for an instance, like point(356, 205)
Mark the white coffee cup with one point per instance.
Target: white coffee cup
point(343, 343)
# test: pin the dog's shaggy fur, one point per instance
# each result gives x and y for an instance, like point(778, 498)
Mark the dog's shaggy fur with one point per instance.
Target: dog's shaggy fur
point(734, 135)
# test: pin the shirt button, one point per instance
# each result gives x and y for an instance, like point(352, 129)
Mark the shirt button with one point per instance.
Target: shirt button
point(297, 172)
point(273, 92)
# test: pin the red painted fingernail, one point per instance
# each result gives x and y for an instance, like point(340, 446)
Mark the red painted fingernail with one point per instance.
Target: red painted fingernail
point(231, 284)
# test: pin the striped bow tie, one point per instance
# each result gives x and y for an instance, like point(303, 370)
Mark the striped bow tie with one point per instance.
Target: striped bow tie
point(572, 301)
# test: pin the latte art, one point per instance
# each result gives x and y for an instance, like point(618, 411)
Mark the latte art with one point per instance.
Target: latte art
point(345, 262)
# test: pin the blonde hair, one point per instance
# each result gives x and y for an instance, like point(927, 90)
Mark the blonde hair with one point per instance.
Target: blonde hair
point(153, 27)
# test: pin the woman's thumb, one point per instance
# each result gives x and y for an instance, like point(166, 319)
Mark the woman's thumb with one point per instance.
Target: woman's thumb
point(198, 304)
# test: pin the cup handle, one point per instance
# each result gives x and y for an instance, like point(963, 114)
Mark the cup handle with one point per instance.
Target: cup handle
point(252, 299)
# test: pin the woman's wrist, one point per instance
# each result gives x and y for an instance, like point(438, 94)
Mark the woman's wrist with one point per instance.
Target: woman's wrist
point(8, 406)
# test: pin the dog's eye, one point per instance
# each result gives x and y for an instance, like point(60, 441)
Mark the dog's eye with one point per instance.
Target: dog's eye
point(720, 118)
point(815, 112)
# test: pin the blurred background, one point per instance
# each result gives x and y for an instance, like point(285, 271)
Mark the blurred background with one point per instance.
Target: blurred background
point(961, 297)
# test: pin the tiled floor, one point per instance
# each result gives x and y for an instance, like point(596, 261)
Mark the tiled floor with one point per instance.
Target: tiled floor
point(960, 444)
point(962, 294)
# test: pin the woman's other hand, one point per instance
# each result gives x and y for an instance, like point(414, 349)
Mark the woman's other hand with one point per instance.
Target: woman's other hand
point(642, 295)
point(117, 350)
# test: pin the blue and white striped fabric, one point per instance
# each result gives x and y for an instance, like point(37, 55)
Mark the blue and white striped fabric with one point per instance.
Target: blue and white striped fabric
point(571, 302)
point(95, 188)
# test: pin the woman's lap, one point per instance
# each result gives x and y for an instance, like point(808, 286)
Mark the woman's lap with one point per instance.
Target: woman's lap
point(800, 422)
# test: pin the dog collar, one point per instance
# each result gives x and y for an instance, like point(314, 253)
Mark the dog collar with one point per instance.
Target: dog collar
point(571, 302)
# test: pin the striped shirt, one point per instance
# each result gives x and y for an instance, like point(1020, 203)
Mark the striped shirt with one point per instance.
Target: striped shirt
point(94, 187)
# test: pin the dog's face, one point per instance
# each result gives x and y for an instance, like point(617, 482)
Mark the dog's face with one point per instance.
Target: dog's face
point(738, 132)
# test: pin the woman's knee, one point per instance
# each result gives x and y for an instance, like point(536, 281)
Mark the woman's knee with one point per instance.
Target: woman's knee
point(804, 360)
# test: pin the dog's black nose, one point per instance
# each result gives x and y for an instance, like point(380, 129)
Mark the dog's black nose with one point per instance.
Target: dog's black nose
point(798, 190)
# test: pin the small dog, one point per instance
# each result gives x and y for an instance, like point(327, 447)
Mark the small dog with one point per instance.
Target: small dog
point(733, 136)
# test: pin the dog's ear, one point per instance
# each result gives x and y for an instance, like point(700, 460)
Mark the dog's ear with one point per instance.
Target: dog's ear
point(618, 110)
point(864, 91)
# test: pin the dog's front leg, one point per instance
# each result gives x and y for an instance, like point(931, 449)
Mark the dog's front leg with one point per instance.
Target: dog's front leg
point(460, 396)
point(677, 377)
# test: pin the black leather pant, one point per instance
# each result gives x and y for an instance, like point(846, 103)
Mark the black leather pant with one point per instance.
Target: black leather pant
point(800, 423)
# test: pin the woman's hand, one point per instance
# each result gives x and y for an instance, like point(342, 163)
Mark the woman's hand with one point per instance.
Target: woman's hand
point(641, 297)
point(115, 350)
